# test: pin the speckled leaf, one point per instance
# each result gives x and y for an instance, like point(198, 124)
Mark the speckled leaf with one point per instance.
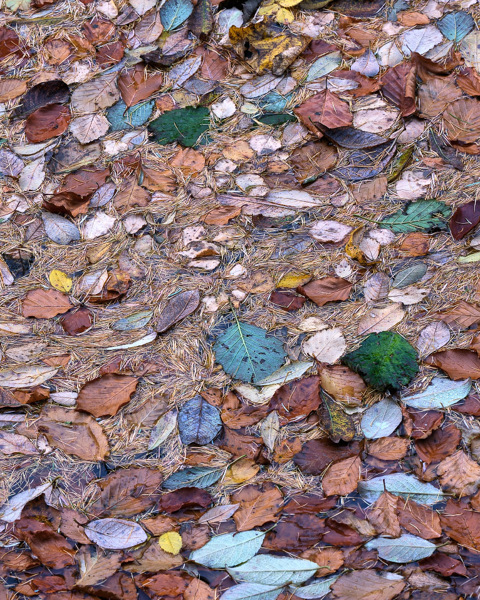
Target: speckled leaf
point(120, 117)
point(175, 12)
point(247, 353)
point(424, 215)
point(456, 25)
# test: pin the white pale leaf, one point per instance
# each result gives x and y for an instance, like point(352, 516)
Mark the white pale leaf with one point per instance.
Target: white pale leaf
point(89, 128)
point(400, 484)
point(251, 591)
point(269, 429)
point(100, 224)
point(12, 509)
point(381, 419)
point(146, 339)
point(26, 376)
point(366, 64)
point(32, 176)
point(432, 338)
point(259, 86)
point(407, 548)
point(326, 346)
point(329, 231)
point(59, 229)
point(287, 373)
point(274, 570)
point(408, 295)
point(380, 319)
point(470, 49)
point(254, 395)
point(420, 40)
point(162, 429)
point(229, 549)
point(441, 393)
point(317, 589)
point(115, 534)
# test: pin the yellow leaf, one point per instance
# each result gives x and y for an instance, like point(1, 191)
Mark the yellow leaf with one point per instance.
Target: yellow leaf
point(60, 281)
point(284, 16)
point(293, 280)
point(289, 3)
point(240, 471)
point(268, 9)
point(170, 542)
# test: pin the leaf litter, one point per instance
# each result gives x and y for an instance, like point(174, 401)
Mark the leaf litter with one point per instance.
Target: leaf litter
point(240, 302)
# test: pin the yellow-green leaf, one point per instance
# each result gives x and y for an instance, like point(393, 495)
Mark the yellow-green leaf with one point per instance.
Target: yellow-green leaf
point(170, 542)
point(60, 281)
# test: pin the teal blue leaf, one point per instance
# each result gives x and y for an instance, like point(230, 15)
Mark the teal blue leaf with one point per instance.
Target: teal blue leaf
point(183, 125)
point(247, 353)
point(276, 119)
point(274, 102)
point(135, 321)
point(175, 12)
point(122, 118)
point(252, 591)
point(228, 550)
point(456, 25)
point(201, 477)
point(274, 570)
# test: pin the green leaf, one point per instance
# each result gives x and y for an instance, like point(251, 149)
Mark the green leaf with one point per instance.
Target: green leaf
point(317, 589)
point(441, 393)
point(252, 591)
point(456, 25)
point(400, 484)
point(120, 117)
point(426, 215)
point(385, 360)
point(409, 275)
point(276, 119)
point(183, 125)
point(202, 477)
point(381, 419)
point(274, 570)
point(247, 353)
point(407, 548)
point(175, 12)
point(228, 550)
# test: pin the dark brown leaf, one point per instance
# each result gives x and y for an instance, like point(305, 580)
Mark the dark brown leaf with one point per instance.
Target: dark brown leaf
point(327, 289)
point(316, 455)
point(177, 308)
point(399, 86)
point(297, 398)
point(135, 85)
point(47, 122)
point(258, 505)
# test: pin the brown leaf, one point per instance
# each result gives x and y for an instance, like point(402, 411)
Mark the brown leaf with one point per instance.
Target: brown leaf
point(420, 423)
point(457, 364)
point(199, 590)
point(435, 95)
point(67, 203)
point(107, 394)
point(313, 159)
point(115, 287)
point(365, 85)
point(459, 474)
point(287, 300)
point(469, 81)
point(188, 497)
point(461, 524)
point(110, 54)
point(222, 215)
point(45, 304)
point(152, 559)
point(367, 585)
point(462, 120)
point(389, 448)
point(426, 68)
point(463, 315)
point(328, 559)
point(343, 384)
point(214, 66)
point(286, 449)
point(12, 443)
point(46, 123)
point(294, 533)
point(325, 108)
point(77, 321)
point(399, 86)
point(418, 519)
point(177, 308)
point(239, 445)
point(12, 88)
point(165, 584)
point(98, 30)
point(188, 160)
point(382, 514)
point(51, 548)
point(316, 455)
point(72, 431)
point(342, 477)
point(416, 244)
point(297, 398)
point(84, 182)
point(443, 564)
point(327, 289)
point(258, 505)
point(126, 492)
point(135, 85)
point(464, 219)
point(129, 195)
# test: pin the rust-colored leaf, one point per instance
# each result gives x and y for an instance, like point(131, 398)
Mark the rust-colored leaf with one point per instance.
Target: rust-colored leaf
point(457, 364)
point(327, 289)
point(324, 108)
point(399, 86)
point(342, 477)
point(47, 122)
point(107, 394)
point(258, 505)
point(135, 85)
point(297, 398)
point(45, 304)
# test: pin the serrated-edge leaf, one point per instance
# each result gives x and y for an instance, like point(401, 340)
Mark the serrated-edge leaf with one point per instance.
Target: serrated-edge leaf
point(400, 484)
point(441, 393)
point(229, 549)
point(404, 549)
point(420, 215)
point(274, 570)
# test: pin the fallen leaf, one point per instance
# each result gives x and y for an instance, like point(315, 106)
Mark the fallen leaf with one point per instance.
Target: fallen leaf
point(342, 477)
point(170, 542)
point(135, 85)
point(45, 304)
point(107, 394)
point(324, 108)
point(363, 584)
point(382, 514)
point(327, 289)
point(179, 307)
point(258, 505)
point(115, 534)
point(381, 319)
point(459, 474)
